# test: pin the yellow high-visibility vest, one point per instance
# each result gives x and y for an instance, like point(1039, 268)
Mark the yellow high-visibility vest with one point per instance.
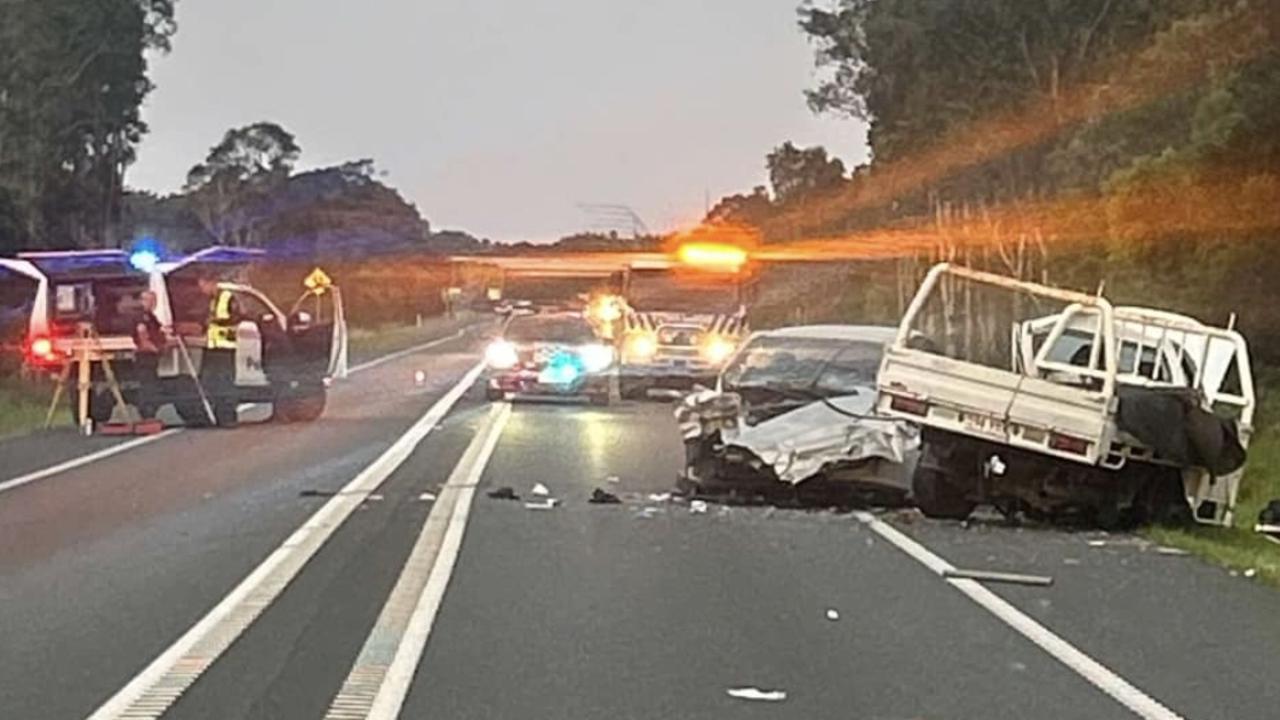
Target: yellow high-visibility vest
point(222, 328)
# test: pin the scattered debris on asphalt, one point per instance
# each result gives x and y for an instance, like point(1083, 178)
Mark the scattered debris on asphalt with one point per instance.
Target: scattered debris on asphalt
point(546, 504)
point(698, 507)
point(659, 497)
point(427, 497)
point(1165, 550)
point(506, 492)
point(754, 693)
point(600, 496)
point(1097, 543)
point(992, 576)
point(419, 378)
point(613, 479)
point(833, 614)
point(540, 490)
point(312, 492)
point(1070, 561)
point(1250, 572)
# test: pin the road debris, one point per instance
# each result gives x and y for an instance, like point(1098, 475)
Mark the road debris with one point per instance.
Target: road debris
point(599, 496)
point(1070, 561)
point(419, 378)
point(659, 497)
point(1097, 543)
point(754, 693)
point(546, 504)
point(613, 479)
point(1165, 550)
point(1250, 572)
point(833, 614)
point(506, 492)
point(427, 497)
point(648, 512)
point(540, 490)
point(992, 576)
point(698, 507)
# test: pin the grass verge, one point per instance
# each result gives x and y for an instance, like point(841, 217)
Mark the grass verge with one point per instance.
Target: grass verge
point(369, 343)
point(23, 405)
point(1239, 547)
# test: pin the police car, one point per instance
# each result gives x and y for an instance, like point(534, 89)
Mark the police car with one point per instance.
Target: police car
point(552, 354)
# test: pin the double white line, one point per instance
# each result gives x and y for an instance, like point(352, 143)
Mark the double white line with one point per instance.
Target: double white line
point(153, 691)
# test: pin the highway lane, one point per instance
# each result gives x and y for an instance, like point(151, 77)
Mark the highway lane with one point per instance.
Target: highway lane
point(634, 610)
point(103, 565)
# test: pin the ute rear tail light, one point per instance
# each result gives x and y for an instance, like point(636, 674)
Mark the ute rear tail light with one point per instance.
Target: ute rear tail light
point(909, 405)
point(1067, 443)
point(40, 350)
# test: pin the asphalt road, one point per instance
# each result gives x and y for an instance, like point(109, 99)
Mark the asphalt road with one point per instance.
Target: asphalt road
point(638, 610)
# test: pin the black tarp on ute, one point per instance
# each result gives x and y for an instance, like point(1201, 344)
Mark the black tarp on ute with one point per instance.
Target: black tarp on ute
point(1171, 422)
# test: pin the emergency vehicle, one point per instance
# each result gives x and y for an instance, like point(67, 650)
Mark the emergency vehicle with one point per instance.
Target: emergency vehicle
point(683, 316)
point(85, 305)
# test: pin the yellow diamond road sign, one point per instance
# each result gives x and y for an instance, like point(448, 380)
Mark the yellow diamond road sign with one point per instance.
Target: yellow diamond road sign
point(317, 281)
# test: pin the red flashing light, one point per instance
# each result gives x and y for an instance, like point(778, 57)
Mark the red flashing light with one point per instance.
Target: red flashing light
point(41, 349)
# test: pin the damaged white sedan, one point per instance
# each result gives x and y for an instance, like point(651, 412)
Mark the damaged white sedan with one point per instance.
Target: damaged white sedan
point(792, 415)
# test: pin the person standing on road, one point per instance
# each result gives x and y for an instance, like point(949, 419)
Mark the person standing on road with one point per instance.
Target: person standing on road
point(218, 369)
point(150, 339)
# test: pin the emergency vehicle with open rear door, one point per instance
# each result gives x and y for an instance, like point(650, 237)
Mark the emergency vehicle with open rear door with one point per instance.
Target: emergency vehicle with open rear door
point(84, 306)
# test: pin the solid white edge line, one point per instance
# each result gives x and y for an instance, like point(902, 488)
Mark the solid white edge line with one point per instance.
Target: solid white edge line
point(404, 665)
point(74, 463)
point(92, 457)
point(405, 352)
point(1119, 689)
point(309, 537)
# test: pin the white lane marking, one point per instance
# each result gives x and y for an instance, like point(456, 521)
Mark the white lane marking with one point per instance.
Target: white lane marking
point(407, 351)
point(105, 453)
point(1099, 675)
point(161, 683)
point(84, 460)
point(382, 672)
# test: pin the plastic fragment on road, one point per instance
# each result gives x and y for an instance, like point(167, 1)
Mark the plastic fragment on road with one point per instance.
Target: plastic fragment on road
point(419, 378)
point(600, 496)
point(503, 493)
point(613, 479)
point(992, 576)
point(833, 614)
point(1097, 543)
point(659, 497)
point(754, 693)
point(540, 490)
point(546, 504)
point(427, 497)
point(698, 507)
point(1250, 572)
point(1164, 550)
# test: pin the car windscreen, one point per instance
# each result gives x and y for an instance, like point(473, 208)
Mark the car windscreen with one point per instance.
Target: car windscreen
point(549, 330)
point(826, 366)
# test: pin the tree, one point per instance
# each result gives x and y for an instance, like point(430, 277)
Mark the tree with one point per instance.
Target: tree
point(743, 209)
point(799, 172)
point(239, 174)
point(72, 79)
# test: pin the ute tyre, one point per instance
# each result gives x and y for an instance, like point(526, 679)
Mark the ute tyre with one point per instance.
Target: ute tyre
point(937, 497)
point(192, 413)
point(301, 408)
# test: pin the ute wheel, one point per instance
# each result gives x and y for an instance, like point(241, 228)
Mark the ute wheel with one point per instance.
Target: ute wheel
point(306, 407)
point(937, 497)
point(192, 413)
point(101, 405)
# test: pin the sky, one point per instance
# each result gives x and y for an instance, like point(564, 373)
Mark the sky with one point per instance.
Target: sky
point(501, 117)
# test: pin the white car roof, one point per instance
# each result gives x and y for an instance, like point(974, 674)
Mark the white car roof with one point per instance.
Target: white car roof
point(869, 333)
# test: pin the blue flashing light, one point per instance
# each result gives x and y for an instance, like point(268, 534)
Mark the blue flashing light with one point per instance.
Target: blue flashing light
point(144, 260)
point(145, 254)
point(563, 369)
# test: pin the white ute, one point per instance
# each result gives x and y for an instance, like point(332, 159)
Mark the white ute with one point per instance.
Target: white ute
point(1116, 414)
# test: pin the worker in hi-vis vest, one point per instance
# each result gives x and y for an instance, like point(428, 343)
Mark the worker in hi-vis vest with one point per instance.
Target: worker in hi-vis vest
point(218, 369)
